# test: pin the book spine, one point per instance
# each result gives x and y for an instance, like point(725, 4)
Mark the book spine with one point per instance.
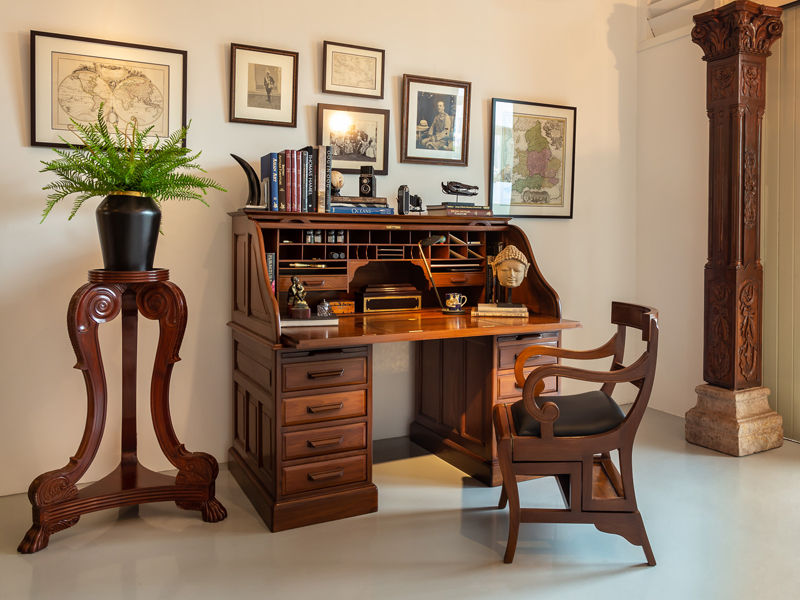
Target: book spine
point(459, 212)
point(309, 180)
point(289, 181)
point(328, 161)
point(281, 181)
point(321, 179)
point(362, 210)
point(273, 187)
point(266, 166)
point(303, 181)
point(271, 270)
point(313, 207)
point(295, 179)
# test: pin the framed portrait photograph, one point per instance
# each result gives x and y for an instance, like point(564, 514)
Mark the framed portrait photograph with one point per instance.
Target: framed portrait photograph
point(263, 86)
point(352, 70)
point(72, 76)
point(358, 136)
point(435, 127)
point(532, 160)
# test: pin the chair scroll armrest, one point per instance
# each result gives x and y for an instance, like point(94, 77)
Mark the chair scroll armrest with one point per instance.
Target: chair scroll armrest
point(603, 351)
point(548, 412)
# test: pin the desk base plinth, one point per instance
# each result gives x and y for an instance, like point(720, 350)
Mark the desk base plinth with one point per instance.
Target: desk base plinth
point(286, 514)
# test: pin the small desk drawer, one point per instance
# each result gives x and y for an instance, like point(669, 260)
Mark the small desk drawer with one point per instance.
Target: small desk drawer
point(324, 373)
point(322, 474)
point(314, 282)
point(324, 407)
point(324, 440)
point(508, 351)
point(459, 279)
point(507, 385)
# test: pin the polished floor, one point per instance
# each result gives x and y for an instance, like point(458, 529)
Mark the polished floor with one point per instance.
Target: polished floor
point(720, 527)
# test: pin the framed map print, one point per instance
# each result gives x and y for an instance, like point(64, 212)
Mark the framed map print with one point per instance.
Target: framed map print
point(72, 76)
point(533, 159)
point(435, 127)
point(352, 70)
point(263, 86)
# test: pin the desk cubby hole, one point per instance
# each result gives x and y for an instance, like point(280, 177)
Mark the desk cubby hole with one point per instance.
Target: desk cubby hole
point(290, 252)
point(291, 236)
point(359, 236)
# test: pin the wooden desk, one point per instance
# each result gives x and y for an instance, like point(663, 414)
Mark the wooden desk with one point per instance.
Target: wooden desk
point(302, 448)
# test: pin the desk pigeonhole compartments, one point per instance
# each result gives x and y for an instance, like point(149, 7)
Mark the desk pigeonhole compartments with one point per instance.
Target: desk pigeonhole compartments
point(325, 420)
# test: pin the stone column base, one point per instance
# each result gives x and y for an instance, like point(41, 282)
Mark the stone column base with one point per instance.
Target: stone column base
point(734, 422)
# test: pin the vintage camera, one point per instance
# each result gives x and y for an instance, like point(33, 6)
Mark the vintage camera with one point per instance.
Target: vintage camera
point(366, 183)
point(407, 202)
point(403, 200)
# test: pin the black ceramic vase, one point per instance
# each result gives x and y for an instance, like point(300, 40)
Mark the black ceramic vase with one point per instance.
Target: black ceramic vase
point(128, 226)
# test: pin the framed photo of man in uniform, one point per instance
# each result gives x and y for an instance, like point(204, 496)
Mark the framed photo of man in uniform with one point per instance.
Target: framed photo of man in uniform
point(435, 128)
point(263, 86)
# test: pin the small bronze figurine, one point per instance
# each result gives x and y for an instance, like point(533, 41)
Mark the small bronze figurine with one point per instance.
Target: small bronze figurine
point(296, 301)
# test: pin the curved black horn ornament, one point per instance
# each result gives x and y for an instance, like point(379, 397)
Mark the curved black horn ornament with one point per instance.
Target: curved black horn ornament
point(253, 185)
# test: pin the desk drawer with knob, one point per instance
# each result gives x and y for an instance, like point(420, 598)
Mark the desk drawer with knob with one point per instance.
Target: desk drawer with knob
point(317, 408)
point(323, 474)
point(314, 282)
point(316, 374)
point(324, 440)
point(509, 348)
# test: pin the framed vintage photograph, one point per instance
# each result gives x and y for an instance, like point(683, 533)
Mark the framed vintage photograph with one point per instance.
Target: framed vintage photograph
point(358, 136)
point(352, 70)
point(71, 76)
point(263, 86)
point(435, 127)
point(532, 160)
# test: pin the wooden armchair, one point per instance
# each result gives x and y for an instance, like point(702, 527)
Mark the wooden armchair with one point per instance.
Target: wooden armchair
point(571, 437)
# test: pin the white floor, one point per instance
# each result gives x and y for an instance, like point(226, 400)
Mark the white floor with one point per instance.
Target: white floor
point(720, 527)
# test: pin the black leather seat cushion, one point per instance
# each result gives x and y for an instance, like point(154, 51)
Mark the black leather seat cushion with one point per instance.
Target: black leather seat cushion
point(579, 414)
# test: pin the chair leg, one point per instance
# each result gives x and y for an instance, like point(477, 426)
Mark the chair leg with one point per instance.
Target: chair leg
point(648, 551)
point(503, 497)
point(512, 494)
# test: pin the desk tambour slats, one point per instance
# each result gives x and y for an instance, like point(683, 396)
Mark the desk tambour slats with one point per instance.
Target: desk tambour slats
point(302, 448)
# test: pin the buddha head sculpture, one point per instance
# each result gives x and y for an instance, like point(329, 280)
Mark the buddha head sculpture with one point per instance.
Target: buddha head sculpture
point(510, 267)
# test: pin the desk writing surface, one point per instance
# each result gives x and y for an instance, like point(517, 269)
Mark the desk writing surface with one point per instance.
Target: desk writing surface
point(426, 324)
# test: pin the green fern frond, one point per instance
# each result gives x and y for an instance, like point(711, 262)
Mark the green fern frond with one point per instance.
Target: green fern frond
point(124, 160)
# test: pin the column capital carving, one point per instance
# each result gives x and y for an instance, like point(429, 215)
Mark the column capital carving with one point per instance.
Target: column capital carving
point(741, 27)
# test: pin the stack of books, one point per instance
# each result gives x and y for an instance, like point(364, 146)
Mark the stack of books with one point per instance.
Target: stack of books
point(297, 180)
point(459, 209)
point(360, 205)
point(515, 311)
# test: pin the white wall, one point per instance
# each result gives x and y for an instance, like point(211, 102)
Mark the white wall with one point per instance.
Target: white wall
point(672, 211)
point(577, 52)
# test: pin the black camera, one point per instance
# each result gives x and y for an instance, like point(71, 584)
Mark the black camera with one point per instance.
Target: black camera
point(403, 205)
point(366, 183)
point(407, 202)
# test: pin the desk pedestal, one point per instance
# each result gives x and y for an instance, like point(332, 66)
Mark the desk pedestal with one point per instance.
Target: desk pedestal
point(57, 502)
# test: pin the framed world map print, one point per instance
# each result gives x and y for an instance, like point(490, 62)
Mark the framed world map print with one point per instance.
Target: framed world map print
point(532, 159)
point(72, 76)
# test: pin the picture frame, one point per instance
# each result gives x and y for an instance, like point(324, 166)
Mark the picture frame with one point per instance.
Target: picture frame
point(263, 86)
point(62, 64)
point(532, 164)
point(358, 135)
point(352, 70)
point(435, 126)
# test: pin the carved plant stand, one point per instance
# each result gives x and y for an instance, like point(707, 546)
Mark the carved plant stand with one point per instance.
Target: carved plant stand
point(57, 502)
point(732, 413)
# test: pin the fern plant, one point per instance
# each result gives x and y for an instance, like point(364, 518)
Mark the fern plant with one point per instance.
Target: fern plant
point(124, 161)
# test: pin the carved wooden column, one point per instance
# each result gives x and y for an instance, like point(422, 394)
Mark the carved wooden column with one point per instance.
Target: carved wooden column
point(732, 413)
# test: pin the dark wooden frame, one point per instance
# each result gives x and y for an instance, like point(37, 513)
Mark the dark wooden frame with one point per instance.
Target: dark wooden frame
point(321, 108)
point(232, 99)
point(570, 185)
point(404, 156)
point(325, 66)
point(34, 93)
point(593, 490)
